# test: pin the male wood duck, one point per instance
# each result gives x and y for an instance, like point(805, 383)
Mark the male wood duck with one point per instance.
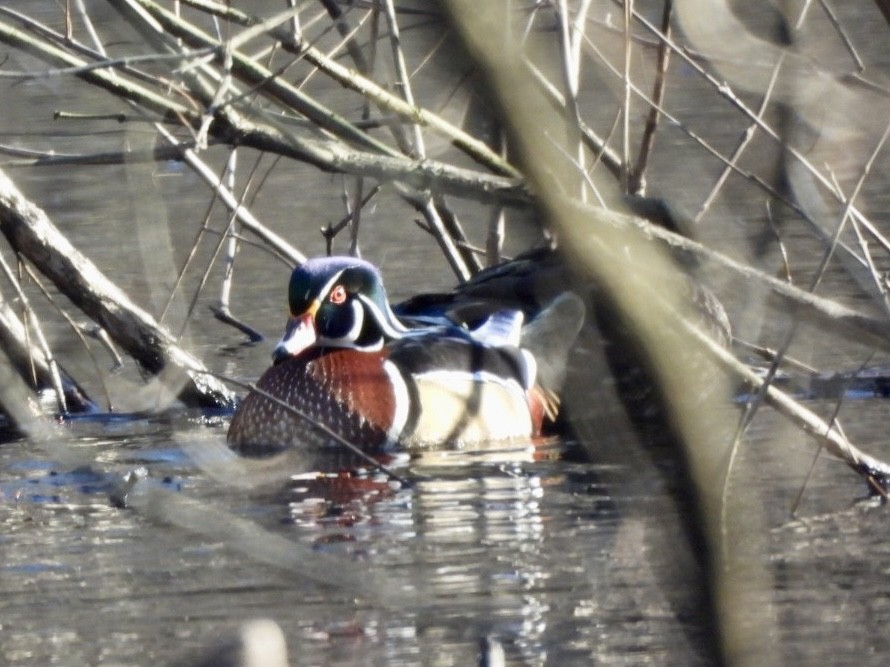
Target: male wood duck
point(347, 362)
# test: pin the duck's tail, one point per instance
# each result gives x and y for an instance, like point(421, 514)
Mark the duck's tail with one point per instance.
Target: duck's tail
point(549, 338)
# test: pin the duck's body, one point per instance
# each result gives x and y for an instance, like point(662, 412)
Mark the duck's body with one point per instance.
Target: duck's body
point(375, 399)
point(346, 362)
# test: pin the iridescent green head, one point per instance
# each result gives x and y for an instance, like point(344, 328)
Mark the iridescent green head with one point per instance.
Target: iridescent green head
point(337, 302)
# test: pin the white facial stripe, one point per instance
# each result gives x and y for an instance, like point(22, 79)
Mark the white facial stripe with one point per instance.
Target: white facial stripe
point(387, 320)
point(402, 401)
point(323, 294)
point(358, 321)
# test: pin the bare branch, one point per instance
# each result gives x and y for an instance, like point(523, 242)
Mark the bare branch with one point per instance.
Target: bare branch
point(30, 232)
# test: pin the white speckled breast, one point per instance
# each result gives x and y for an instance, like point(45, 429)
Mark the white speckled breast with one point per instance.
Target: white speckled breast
point(348, 391)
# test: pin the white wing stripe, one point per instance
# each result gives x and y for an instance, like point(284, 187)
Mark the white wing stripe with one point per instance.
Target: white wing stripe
point(387, 320)
point(402, 401)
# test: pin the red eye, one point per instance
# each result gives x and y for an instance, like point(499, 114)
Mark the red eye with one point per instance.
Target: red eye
point(338, 295)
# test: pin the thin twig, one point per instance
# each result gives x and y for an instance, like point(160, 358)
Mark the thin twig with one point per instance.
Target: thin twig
point(336, 12)
point(770, 354)
point(494, 240)
point(332, 53)
point(222, 311)
point(40, 158)
point(783, 252)
point(79, 332)
point(849, 205)
point(32, 323)
point(585, 175)
point(626, 99)
point(637, 176)
point(848, 43)
point(332, 230)
point(571, 74)
point(833, 422)
point(110, 63)
point(244, 216)
point(599, 147)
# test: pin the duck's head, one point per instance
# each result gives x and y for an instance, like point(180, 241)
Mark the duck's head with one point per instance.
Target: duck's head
point(337, 302)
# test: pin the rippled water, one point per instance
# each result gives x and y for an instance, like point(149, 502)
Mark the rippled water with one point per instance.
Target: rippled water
point(530, 553)
point(546, 557)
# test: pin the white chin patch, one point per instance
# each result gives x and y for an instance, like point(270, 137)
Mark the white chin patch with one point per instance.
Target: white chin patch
point(297, 339)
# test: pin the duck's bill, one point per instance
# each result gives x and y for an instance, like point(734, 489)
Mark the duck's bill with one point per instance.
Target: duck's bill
point(299, 334)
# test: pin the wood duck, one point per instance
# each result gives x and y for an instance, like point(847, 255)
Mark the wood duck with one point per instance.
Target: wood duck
point(348, 362)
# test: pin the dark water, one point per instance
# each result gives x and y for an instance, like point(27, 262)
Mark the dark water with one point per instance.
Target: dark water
point(556, 558)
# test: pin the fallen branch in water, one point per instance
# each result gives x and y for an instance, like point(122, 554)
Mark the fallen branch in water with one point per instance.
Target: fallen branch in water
point(30, 232)
point(802, 304)
point(828, 435)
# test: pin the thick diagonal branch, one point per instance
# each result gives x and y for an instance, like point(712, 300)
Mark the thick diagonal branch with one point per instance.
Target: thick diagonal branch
point(31, 233)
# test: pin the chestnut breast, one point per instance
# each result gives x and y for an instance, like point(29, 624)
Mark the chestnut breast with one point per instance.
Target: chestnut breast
point(348, 391)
